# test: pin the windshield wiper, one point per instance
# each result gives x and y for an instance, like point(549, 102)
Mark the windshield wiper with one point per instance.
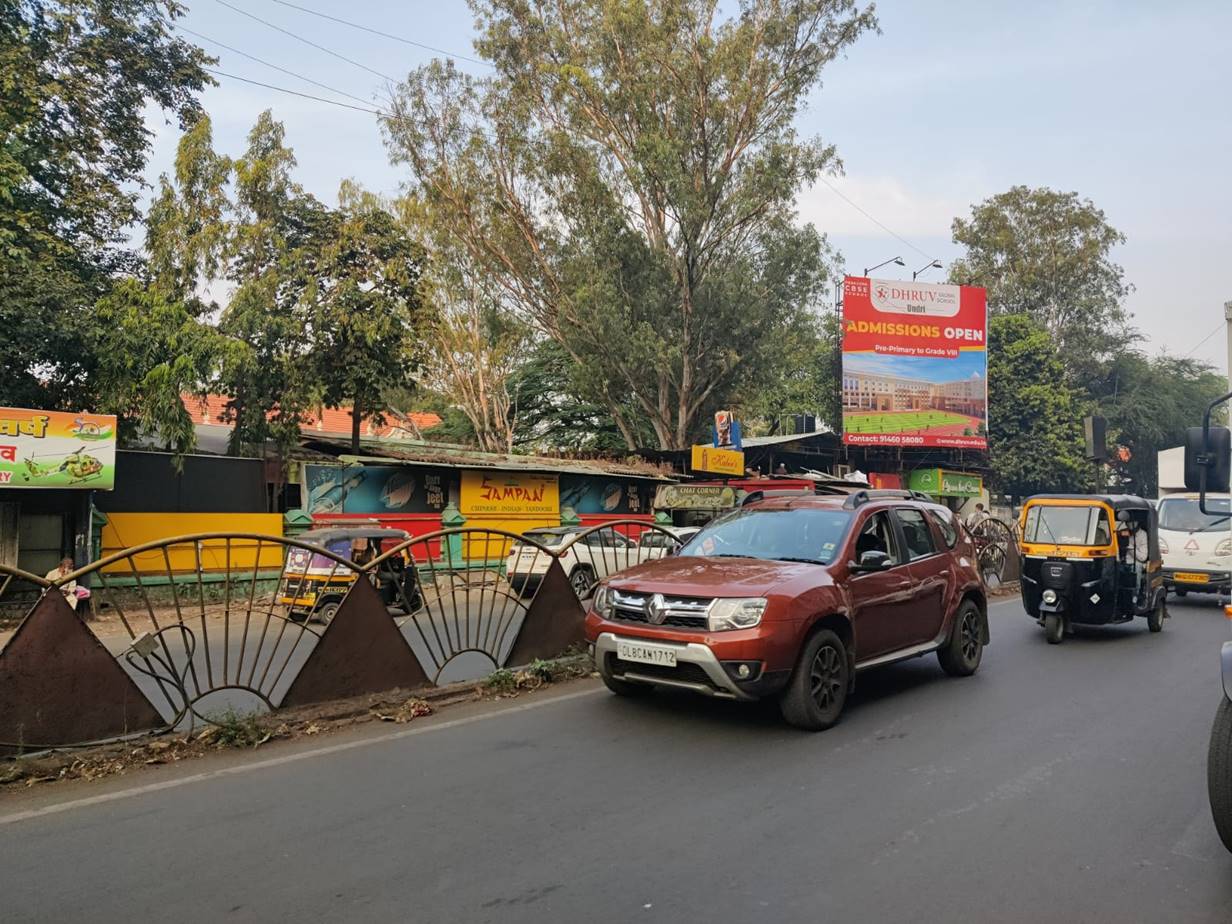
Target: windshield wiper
point(729, 555)
point(805, 561)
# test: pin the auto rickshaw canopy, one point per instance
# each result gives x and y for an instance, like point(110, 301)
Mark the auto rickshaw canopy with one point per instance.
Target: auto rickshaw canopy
point(1134, 507)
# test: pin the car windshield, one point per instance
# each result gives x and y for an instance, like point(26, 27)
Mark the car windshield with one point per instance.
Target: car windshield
point(1182, 514)
point(801, 534)
point(1068, 525)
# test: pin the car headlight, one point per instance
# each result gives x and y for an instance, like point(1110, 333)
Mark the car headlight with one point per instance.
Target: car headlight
point(1049, 596)
point(1163, 546)
point(1224, 547)
point(601, 602)
point(735, 613)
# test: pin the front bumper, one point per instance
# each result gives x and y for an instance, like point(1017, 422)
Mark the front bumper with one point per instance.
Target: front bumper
point(698, 669)
point(1216, 580)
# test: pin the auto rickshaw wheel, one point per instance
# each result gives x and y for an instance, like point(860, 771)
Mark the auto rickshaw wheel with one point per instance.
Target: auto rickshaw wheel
point(326, 613)
point(1155, 619)
point(1219, 772)
point(1054, 628)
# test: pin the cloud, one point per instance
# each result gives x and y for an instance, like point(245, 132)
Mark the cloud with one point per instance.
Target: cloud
point(907, 212)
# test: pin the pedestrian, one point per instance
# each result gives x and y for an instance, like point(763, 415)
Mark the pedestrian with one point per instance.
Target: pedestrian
point(976, 517)
point(69, 589)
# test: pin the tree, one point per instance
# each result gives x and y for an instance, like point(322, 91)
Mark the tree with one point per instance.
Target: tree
point(151, 351)
point(628, 176)
point(1035, 431)
point(1047, 254)
point(1148, 403)
point(365, 308)
point(77, 77)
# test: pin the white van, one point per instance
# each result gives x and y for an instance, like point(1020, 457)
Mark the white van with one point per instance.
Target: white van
point(1196, 548)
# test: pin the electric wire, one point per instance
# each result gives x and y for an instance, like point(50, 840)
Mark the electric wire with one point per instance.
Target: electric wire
point(270, 86)
point(270, 64)
point(300, 38)
point(388, 35)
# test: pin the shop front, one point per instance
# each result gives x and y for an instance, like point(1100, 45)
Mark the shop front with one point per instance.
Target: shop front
point(954, 489)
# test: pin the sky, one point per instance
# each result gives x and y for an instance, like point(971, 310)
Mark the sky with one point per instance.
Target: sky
point(1124, 102)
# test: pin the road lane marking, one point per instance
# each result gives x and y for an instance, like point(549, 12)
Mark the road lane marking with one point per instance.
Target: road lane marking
point(148, 788)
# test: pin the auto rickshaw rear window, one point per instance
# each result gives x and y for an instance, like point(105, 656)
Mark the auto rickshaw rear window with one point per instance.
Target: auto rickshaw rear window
point(1067, 525)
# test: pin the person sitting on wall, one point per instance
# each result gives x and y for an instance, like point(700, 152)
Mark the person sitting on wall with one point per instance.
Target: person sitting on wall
point(69, 589)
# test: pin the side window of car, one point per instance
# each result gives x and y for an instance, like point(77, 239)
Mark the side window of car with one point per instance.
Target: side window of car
point(918, 536)
point(944, 518)
point(876, 535)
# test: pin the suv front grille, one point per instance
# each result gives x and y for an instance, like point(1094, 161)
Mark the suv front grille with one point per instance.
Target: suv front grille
point(683, 672)
point(681, 612)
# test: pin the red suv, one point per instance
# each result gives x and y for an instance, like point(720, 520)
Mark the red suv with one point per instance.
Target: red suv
point(791, 597)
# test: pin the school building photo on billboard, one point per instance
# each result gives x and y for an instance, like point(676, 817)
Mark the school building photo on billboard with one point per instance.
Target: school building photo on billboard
point(915, 395)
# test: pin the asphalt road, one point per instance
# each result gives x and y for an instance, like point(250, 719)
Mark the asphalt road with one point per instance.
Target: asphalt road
point(1059, 784)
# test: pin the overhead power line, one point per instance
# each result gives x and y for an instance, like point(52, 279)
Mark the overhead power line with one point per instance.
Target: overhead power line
point(388, 35)
point(300, 38)
point(1202, 342)
point(317, 83)
point(319, 99)
point(888, 230)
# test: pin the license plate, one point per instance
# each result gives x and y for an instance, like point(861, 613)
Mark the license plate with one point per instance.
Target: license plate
point(643, 653)
point(1190, 578)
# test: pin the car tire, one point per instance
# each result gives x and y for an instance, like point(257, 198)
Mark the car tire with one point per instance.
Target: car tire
point(325, 613)
point(817, 690)
point(1054, 628)
point(582, 580)
point(1155, 618)
point(1219, 771)
point(961, 655)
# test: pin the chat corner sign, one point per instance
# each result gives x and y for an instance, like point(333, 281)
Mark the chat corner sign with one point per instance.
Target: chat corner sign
point(54, 449)
point(718, 461)
point(915, 364)
point(941, 483)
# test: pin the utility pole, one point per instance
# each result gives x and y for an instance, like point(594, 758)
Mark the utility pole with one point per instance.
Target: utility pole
point(1227, 317)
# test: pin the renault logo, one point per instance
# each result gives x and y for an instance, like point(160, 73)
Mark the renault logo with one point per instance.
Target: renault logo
point(656, 610)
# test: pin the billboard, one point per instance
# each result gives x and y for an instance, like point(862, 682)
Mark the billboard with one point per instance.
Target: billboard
point(915, 364)
point(53, 449)
point(488, 493)
point(374, 489)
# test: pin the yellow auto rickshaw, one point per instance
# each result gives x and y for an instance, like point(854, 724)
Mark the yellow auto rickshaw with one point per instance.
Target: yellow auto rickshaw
point(1090, 559)
point(314, 585)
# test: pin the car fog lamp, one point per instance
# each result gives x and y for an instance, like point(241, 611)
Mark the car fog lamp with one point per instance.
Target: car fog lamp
point(737, 613)
point(1050, 596)
point(743, 672)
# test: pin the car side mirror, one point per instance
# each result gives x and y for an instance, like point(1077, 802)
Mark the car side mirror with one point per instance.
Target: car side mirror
point(872, 560)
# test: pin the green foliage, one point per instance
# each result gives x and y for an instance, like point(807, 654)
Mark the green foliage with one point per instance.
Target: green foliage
point(501, 680)
point(77, 77)
point(151, 350)
point(1047, 254)
point(239, 730)
point(629, 177)
point(1035, 430)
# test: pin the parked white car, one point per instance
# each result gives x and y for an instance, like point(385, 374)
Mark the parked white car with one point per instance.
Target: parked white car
point(1196, 548)
point(592, 558)
point(586, 562)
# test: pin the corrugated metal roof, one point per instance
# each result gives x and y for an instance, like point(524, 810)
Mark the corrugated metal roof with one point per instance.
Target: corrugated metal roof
point(383, 452)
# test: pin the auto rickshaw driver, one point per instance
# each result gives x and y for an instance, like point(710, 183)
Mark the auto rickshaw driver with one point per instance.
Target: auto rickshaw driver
point(1133, 550)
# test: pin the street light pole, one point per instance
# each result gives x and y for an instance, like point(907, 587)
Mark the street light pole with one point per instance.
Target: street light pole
point(897, 261)
point(936, 264)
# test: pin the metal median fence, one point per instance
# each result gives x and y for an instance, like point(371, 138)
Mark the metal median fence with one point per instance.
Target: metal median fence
point(158, 645)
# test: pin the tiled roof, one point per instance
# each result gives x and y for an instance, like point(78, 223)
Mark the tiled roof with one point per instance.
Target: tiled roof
point(326, 422)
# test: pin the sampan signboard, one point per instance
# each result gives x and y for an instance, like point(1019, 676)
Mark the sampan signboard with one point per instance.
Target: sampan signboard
point(51, 449)
point(915, 364)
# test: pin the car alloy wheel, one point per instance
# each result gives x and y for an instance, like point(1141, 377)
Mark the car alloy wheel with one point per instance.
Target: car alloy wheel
point(826, 677)
point(970, 630)
point(581, 581)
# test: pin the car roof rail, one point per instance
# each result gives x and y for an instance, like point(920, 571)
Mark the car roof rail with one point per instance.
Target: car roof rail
point(863, 496)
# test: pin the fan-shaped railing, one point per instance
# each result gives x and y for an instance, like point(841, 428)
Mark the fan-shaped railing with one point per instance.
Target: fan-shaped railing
point(191, 627)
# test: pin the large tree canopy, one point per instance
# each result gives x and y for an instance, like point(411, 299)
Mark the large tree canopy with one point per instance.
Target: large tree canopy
point(1048, 255)
point(629, 175)
point(73, 142)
